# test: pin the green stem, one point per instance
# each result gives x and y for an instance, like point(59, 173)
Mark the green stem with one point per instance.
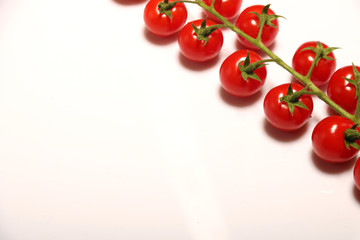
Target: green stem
point(308, 75)
point(260, 31)
point(186, 1)
point(357, 111)
point(217, 26)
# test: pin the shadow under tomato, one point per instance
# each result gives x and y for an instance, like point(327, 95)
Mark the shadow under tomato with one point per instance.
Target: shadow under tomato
point(159, 40)
point(239, 101)
point(129, 2)
point(356, 193)
point(283, 136)
point(197, 66)
point(331, 168)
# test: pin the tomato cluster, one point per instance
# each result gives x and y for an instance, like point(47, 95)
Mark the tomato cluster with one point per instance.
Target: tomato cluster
point(287, 107)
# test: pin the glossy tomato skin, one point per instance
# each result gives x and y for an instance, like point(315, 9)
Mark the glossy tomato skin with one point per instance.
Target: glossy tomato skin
point(328, 140)
point(231, 79)
point(249, 23)
point(194, 49)
point(303, 59)
point(277, 112)
point(160, 24)
point(341, 91)
point(227, 8)
point(357, 173)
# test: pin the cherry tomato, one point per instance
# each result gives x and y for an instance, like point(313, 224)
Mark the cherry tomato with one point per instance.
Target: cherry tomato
point(342, 91)
point(328, 140)
point(161, 24)
point(227, 8)
point(277, 112)
point(357, 173)
point(196, 50)
point(231, 76)
point(303, 59)
point(248, 22)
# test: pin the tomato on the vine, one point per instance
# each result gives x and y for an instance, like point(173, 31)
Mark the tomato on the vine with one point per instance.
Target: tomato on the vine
point(341, 91)
point(227, 8)
point(163, 24)
point(248, 22)
point(204, 49)
point(357, 173)
point(328, 140)
point(278, 112)
point(231, 76)
point(304, 58)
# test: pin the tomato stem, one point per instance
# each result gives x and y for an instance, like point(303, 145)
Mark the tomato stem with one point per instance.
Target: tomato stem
point(357, 111)
point(308, 75)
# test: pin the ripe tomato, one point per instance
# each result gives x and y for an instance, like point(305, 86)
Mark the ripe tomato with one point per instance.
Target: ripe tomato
point(248, 22)
point(227, 8)
point(231, 76)
point(303, 59)
point(357, 173)
point(277, 112)
point(196, 50)
point(161, 24)
point(328, 140)
point(342, 91)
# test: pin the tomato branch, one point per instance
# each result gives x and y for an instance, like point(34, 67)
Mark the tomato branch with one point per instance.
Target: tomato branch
point(303, 79)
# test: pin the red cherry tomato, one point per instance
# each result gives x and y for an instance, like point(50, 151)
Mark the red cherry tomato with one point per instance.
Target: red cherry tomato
point(248, 22)
point(231, 79)
point(341, 91)
point(277, 112)
point(328, 140)
point(357, 173)
point(227, 8)
point(196, 50)
point(303, 59)
point(161, 24)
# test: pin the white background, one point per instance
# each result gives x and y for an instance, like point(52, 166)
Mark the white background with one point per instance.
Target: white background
point(107, 132)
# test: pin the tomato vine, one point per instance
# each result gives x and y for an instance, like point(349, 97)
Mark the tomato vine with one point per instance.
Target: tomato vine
point(313, 65)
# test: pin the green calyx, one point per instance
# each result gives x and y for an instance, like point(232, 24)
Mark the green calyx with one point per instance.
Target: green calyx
point(265, 18)
point(247, 69)
point(165, 8)
point(292, 99)
point(203, 33)
point(321, 52)
point(351, 135)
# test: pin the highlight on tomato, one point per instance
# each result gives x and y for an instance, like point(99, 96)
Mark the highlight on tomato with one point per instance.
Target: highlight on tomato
point(330, 141)
point(287, 107)
point(325, 64)
point(241, 73)
point(249, 20)
point(164, 17)
point(227, 8)
point(200, 40)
